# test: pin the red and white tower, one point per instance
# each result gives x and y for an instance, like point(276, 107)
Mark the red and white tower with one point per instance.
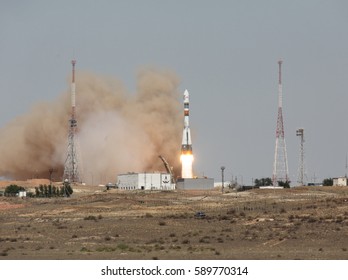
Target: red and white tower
point(280, 165)
point(71, 169)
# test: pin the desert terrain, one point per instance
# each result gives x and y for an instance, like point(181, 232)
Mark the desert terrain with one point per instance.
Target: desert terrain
point(298, 223)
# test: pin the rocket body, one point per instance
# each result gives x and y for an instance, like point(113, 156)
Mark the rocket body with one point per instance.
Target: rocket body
point(186, 144)
point(73, 87)
point(73, 121)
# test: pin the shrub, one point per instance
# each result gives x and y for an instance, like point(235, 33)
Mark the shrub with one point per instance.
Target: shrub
point(90, 218)
point(84, 249)
point(122, 246)
point(67, 189)
point(231, 212)
point(311, 220)
point(13, 190)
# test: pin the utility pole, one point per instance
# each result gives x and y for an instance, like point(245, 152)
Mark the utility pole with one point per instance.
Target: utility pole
point(222, 178)
point(301, 168)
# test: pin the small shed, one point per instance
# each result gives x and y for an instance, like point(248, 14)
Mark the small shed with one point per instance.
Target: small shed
point(340, 181)
point(22, 194)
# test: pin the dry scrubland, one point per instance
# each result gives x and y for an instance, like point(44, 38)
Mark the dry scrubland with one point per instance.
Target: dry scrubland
point(301, 223)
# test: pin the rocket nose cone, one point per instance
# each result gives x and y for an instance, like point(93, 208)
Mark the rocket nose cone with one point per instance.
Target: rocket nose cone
point(186, 96)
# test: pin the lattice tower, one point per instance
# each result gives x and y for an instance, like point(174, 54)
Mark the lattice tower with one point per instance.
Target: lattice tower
point(280, 164)
point(71, 167)
point(301, 166)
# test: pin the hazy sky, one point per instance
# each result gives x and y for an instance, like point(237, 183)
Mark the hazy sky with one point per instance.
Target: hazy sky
point(224, 52)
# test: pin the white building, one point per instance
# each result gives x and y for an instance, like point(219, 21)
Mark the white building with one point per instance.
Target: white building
point(219, 184)
point(22, 194)
point(145, 181)
point(195, 184)
point(340, 181)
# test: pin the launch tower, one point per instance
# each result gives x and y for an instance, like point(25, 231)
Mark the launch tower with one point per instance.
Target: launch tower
point(71, 168)
point(280, 165)
point(186, 144)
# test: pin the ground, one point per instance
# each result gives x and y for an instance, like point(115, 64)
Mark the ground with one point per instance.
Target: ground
point(299, 223)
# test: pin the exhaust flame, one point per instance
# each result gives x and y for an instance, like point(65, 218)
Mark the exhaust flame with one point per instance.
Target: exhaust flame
point(186, 165)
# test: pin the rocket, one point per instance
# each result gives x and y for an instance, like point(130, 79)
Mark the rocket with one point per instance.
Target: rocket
point(186, 144)
point(186, 157)
point(73, 121)
point(73, 86)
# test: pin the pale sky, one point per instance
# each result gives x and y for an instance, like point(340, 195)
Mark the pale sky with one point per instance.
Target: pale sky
point(224, 52)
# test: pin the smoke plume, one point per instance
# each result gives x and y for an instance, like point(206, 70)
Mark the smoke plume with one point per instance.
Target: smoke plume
point(118, 132)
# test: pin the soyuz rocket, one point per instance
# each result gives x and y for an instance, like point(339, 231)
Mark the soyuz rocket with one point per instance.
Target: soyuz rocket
point(186, 157)
point(186, 144)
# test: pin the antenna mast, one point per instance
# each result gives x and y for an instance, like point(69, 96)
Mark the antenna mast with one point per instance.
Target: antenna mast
point(71, 170)
point(280, 164)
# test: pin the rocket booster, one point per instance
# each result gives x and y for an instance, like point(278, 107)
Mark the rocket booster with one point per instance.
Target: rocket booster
point(186, 145)
point(73, 122)
point(73, 87)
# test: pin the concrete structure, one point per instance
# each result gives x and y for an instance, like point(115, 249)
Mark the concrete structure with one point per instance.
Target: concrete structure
point(145, 181)
point(340, 181)
point(195, 184)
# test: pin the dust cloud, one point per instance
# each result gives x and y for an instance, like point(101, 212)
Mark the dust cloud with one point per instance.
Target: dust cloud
point(117, 131)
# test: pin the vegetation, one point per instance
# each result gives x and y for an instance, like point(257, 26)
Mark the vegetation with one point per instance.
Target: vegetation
point(94, 226)
point(328, 182)
point(285, 184)
point(13, 190)
point(53, 191)
point(90, 218)
point(263, 182)
point(268, 182)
